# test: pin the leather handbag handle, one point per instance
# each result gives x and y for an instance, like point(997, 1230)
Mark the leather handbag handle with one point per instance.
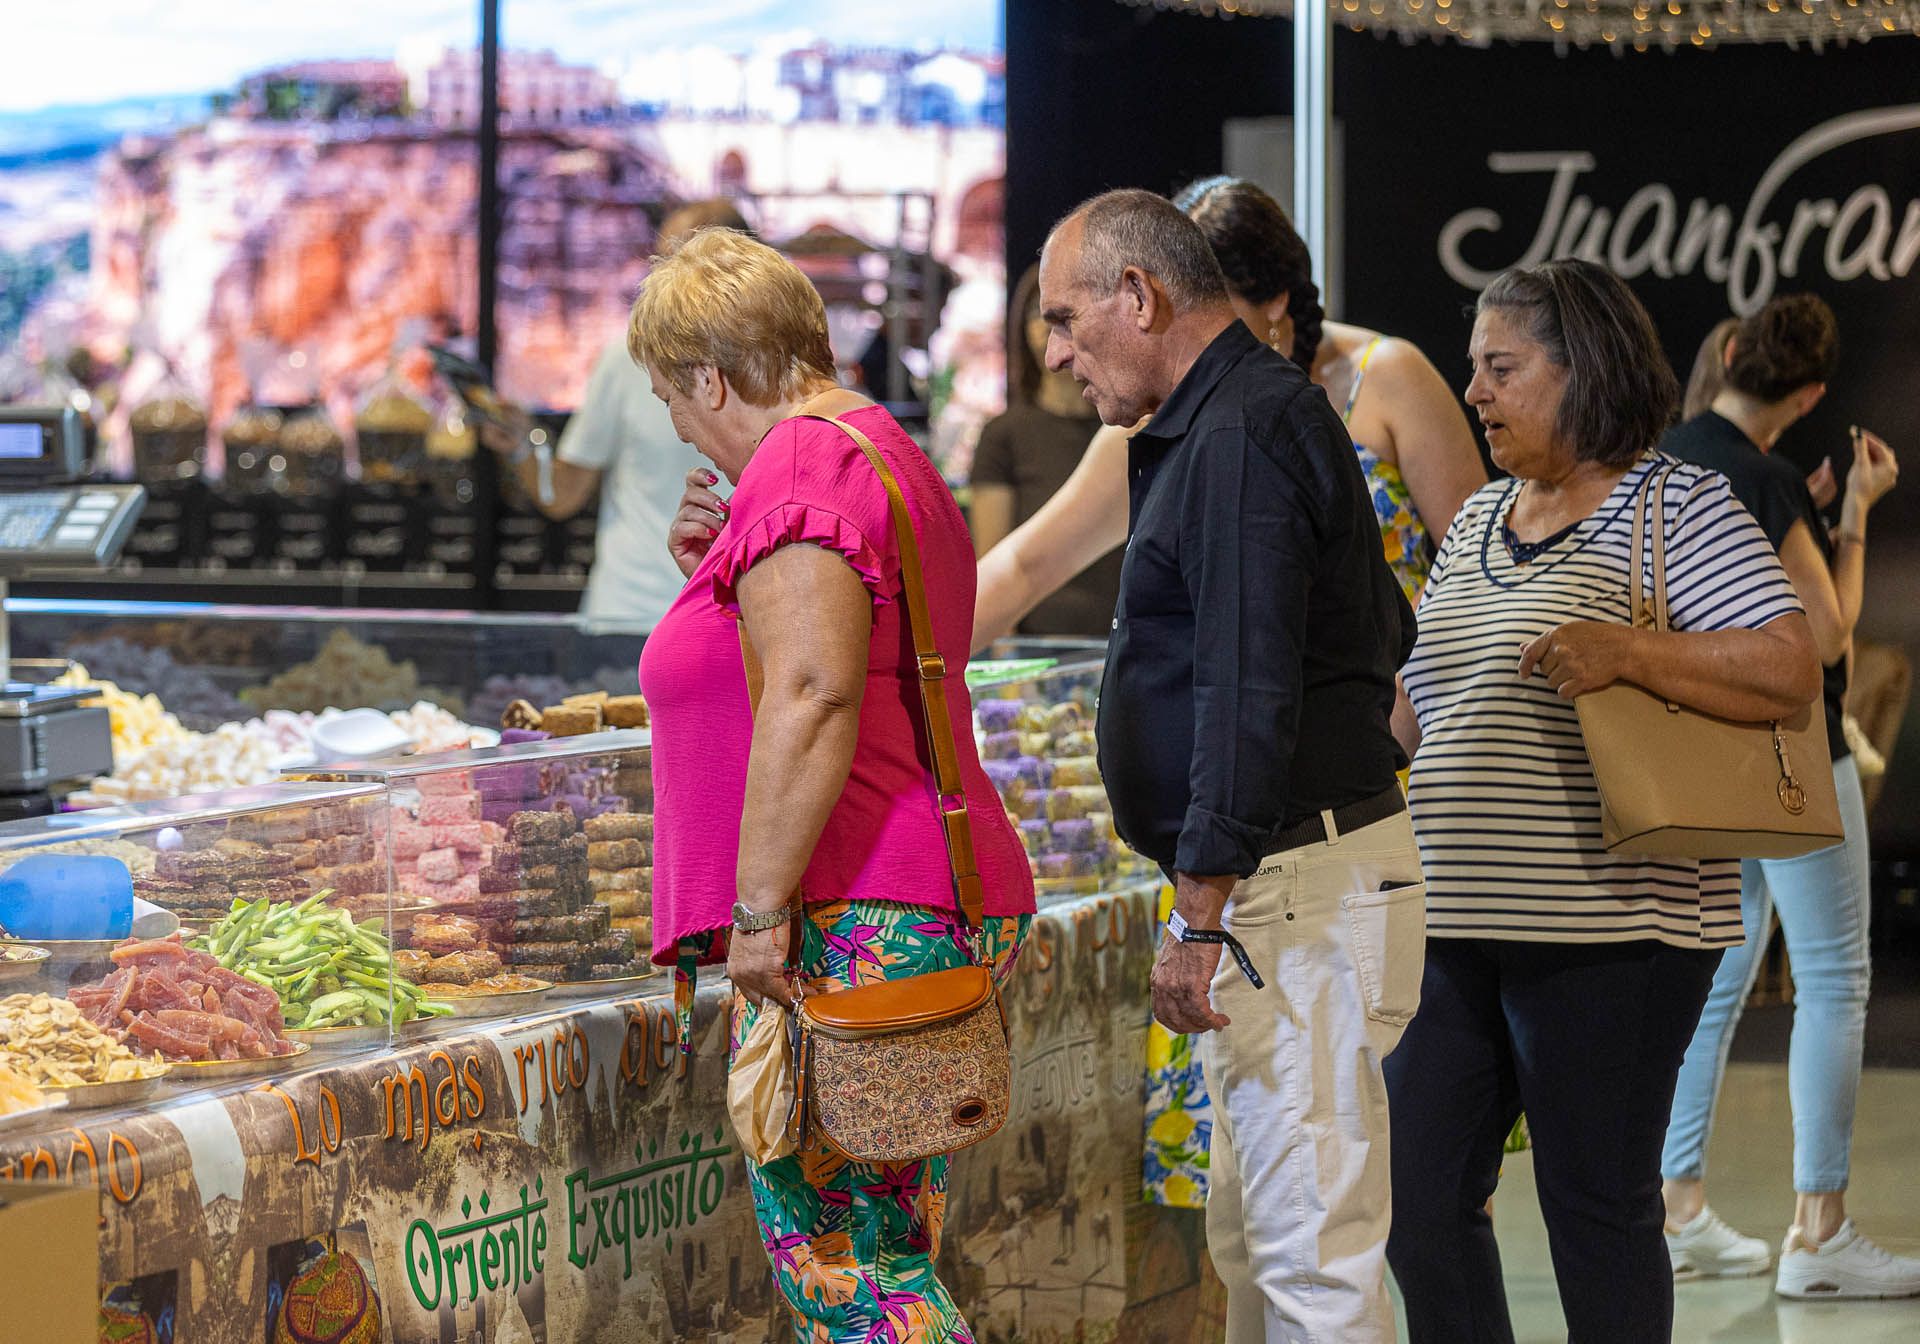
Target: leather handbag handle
point(1660, 618)
point(955, 820)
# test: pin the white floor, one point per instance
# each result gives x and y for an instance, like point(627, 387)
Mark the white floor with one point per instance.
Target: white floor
point(1750, 1184)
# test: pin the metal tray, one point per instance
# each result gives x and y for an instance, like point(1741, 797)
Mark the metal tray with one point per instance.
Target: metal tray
point(501, 1004)
point(25, 968)
point(15, 1119)
point(195, 1071)
point(342, 1036)
point(581, 989)
point(93, 1096)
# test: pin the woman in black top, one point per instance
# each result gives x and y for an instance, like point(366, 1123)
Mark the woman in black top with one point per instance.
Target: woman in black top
point(1776, 367)
point(1026, 455)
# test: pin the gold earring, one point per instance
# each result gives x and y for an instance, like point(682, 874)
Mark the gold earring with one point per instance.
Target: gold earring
point(1273, 336)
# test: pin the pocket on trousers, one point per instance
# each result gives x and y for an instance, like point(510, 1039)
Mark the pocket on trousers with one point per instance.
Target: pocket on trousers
point(1388, 930)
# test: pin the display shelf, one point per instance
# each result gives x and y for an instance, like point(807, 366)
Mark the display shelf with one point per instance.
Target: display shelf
point(521, 871)
point(198, 941)
point(1033, 710)
point(308, 658)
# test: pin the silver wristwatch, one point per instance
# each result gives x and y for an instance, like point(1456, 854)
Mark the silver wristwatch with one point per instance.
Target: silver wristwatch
point(748, 920)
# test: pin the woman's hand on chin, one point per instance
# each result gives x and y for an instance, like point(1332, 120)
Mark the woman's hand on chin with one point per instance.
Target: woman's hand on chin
point(702, 514)
point(757, 964)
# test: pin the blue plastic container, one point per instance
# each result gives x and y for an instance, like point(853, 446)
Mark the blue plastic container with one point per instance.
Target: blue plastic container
point(67, 897)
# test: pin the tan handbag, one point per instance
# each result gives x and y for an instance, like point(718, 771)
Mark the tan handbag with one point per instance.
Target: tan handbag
point(907, 1069)
point(1679, 783)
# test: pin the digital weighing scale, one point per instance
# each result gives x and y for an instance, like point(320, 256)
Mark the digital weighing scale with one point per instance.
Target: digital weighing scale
point(51, 516)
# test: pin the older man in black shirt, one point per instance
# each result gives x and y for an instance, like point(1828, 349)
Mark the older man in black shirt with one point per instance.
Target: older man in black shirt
point(1244, 737)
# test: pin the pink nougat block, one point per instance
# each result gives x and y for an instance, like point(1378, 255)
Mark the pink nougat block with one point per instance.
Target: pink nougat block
point(410, 838)
point(439, 865)
point(466, 836)
point(441, 809)
point(465, 890)
point(451, 781)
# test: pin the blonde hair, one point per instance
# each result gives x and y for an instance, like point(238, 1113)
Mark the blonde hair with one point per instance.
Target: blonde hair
point(1709, 369)
point(719, 298)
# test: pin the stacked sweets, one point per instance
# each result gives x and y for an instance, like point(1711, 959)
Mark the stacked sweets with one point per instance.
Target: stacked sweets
point(1040, 756)
point(284, 855)
point(535, 908)
point(620, 863)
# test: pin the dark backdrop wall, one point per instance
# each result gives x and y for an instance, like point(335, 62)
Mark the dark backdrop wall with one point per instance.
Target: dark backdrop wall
point(1612, 157)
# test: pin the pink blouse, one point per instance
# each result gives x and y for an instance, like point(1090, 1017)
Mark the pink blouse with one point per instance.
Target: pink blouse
point(808, 482)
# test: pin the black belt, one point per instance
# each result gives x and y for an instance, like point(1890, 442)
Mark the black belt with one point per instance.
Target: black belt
point(1346, 820)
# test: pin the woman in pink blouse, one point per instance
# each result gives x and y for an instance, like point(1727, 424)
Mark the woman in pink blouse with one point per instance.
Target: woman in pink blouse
point(829, 780)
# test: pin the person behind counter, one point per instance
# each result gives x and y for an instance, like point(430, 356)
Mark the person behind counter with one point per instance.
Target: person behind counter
point(1776, 366)
point(1026, 455)
point(1561, 978)
point(825, 776)
point(1409, 434)
point(1243, 730)
point(620, 444)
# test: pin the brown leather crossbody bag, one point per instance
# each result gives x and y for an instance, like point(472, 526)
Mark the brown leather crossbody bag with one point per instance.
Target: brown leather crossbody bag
point(906, 1069)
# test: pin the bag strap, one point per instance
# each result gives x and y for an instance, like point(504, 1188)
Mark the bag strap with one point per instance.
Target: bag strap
point(1659, 617)
point(1639, 613)
point(955, 821)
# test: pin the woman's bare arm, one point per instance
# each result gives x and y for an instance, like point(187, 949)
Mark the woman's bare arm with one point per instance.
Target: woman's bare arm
point(1081, 523)
point(1748, 676)
point(1432, 445)
point(809, 618)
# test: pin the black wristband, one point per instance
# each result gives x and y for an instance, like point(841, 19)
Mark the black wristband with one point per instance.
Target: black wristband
point(1184, 933)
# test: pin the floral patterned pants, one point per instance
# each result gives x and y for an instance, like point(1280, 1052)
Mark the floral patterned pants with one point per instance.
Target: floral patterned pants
point(853, 1245)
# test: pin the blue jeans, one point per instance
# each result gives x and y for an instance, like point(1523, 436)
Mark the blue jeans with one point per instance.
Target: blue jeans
point(1823, 901)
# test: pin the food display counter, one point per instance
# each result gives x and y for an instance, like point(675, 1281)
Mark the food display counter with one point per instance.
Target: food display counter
point(213, 664)
point(377, 1058)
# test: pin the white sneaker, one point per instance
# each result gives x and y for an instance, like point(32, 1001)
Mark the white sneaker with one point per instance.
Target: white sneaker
point(1846, 1265)
point(1707, 1248)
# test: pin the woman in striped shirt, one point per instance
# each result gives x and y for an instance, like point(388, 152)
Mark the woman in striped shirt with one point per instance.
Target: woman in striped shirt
point(1560, 978)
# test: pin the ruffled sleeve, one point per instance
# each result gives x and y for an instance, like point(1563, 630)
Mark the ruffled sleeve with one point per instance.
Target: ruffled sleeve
point(813, 487)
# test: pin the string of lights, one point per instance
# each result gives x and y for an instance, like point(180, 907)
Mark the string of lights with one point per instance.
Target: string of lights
point(1637, 25)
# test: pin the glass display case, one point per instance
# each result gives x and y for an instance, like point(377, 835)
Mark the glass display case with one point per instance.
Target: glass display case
point(210, 665)
point(1033, 711)
point(194, 942)
point(522, 873)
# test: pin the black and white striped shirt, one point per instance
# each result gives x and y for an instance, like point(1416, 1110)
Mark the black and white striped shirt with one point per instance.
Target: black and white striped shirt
point(1502, 793)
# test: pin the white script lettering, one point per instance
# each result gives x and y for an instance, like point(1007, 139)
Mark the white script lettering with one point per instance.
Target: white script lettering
point(1646, 235)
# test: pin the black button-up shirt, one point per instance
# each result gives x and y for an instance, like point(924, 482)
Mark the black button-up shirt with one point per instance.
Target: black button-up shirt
point(1249, 678)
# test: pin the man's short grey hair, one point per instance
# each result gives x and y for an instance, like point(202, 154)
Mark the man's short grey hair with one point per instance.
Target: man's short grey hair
point(1137, 228)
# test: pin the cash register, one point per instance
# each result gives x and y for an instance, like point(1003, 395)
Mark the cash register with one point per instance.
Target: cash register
point(51, 515)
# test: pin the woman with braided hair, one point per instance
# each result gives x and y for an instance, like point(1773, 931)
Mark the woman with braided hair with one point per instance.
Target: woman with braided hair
point(1407, 426)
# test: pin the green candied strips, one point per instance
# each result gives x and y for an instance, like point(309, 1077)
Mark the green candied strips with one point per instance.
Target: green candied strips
point(428, 1008)
point(298, 964)
point(336, 1001)
point(361, 978)
point(249, 973)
